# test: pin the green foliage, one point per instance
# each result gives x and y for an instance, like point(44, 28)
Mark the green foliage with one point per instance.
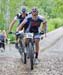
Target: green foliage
point(11, 37)
point(54, 23)
point(2, 21)
point(58, 9)
point(51, 9)
point(1, 27)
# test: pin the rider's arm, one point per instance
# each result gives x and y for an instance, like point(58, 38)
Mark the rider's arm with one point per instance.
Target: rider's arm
point(44, 26)
point(12, 23)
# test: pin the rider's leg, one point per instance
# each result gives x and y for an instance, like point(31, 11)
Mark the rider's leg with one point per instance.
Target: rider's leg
point(3, 44)
point(37, 47)
point(26, 41)
point(16, 44)
point(36, 61)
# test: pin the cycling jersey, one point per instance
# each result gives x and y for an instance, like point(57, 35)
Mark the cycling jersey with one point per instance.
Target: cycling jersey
point(20, 19)
point(2, 37)
point(34, 24)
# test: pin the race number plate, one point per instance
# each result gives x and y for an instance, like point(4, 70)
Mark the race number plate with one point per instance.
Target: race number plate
point(0, 41)
point(28, 35)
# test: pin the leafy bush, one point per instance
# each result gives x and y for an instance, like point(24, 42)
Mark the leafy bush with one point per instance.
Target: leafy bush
point(1, 26)
point(54, 23)
point(11, 37)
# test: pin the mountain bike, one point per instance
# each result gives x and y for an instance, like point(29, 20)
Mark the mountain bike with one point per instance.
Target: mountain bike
point(21, 48)
point(31, 47)
point(26, 51)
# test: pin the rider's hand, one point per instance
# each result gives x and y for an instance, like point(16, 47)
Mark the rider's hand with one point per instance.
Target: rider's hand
point(42, 32)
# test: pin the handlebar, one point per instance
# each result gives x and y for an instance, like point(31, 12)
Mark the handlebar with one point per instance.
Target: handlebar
point(16, 33)
point(21, 32)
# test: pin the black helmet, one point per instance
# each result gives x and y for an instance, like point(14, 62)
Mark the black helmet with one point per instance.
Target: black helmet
point(23, 9)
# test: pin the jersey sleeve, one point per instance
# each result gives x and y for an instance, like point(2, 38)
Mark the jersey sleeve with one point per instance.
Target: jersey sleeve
point(27, 18)
point(17, 16)
point(43, 20)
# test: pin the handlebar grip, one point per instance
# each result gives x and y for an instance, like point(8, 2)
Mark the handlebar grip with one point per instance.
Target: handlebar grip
point(41, 33)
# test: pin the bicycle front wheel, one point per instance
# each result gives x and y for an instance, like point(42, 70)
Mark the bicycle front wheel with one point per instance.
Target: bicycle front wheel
point(31, 55)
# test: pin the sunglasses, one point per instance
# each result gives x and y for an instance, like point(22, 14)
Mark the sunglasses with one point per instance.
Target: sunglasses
point(34, 11)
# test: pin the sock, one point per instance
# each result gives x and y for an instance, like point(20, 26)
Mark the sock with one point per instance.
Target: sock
point(26, 45)
point(36, 55)
point(16, 44)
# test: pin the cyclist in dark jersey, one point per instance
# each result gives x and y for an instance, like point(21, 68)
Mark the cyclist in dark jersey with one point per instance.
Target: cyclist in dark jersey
point(20, 17)
point(3, 38)
point(34, 21)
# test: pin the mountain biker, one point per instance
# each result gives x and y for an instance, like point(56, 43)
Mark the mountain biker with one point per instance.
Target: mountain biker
point(34, 21)
point(3, 38)
point(20, 17)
